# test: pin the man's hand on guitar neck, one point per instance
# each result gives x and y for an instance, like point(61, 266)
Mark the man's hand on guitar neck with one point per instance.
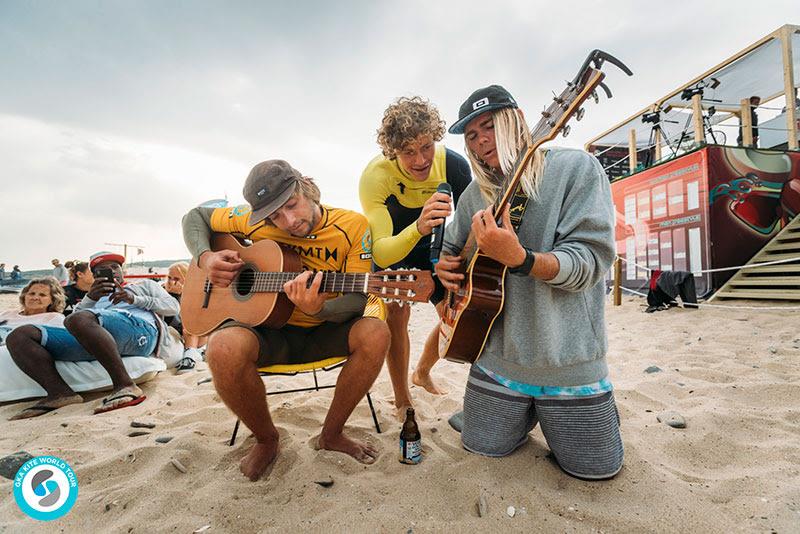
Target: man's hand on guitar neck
point(500, 243)
point(308, 299)
point(221, 266)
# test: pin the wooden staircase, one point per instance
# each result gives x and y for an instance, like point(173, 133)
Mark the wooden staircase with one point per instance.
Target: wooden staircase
point(778, 282)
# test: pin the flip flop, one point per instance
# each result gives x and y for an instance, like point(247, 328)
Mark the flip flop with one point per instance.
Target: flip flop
point(31, 411)
point(108, 403)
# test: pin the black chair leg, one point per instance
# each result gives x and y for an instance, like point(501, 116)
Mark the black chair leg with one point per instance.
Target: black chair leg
point(371, 409)
point(235, 431)
point(374, 417)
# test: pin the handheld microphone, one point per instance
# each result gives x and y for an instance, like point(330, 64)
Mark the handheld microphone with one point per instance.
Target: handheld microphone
point(437, 234)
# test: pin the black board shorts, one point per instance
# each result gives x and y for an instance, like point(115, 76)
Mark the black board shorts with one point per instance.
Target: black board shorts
point(291, 344)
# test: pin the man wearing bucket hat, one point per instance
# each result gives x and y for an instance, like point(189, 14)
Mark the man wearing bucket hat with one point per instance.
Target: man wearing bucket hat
point(545, 358)
point(114, 320)
point(284, 206)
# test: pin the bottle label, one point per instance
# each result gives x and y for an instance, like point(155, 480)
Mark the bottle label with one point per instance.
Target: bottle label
point(410, 451)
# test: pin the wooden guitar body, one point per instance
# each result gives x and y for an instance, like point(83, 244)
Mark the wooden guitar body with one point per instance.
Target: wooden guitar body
point(470, 313)
point(202, 311)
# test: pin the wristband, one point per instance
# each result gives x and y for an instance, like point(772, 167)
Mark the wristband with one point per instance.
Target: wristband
point(527, 264)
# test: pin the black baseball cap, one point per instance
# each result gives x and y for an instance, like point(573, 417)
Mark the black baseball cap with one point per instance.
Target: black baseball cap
point(268, 186)
point(481, 101)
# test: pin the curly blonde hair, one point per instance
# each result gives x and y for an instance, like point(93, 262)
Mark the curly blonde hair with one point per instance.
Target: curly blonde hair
point(406, 119)
point(59, 300)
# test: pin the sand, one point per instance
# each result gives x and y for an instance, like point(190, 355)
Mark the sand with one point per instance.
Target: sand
point(733, 374)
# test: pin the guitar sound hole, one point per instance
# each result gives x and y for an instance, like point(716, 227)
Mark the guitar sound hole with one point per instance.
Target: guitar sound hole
point(244, 284)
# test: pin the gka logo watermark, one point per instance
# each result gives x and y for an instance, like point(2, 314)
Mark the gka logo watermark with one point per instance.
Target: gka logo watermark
point(45, 488)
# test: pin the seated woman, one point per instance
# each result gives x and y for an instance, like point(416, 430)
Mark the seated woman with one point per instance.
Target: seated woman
point(81, 278)
point(42, 301)
point(176, 276)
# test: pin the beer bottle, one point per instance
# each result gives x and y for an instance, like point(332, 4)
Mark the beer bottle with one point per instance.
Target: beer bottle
point(410, 440)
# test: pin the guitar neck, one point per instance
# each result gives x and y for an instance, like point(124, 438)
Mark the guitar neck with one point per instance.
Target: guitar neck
point(332, 282)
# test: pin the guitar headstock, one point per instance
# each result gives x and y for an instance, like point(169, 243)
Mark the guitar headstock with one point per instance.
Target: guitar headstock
point(569, 101)
point(401, 285)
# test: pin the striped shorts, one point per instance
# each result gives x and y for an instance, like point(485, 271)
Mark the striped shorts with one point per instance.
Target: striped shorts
point(582, 432)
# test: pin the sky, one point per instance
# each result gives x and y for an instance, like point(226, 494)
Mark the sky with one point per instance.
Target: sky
point(117, 117)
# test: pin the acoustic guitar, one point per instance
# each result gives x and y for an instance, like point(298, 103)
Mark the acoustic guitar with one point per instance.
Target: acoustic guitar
point(256, 296)
point(470, 312)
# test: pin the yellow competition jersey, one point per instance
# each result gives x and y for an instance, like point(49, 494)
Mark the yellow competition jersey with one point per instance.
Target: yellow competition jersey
point(392, 201)
point(340, 242)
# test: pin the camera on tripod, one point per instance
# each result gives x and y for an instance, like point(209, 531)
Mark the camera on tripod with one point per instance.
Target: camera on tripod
point(689, 92)
point(653, 117)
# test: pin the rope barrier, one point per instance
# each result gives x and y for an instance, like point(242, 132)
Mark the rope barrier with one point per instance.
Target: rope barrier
point(748, 266)
point(704, 305)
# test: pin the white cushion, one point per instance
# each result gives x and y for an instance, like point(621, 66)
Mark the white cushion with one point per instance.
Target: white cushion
point(81, 376)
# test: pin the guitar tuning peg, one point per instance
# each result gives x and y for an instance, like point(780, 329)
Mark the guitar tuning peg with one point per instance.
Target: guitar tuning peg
point(557, 99)
point(565, 130)
point(595, 97)
point(579, 115)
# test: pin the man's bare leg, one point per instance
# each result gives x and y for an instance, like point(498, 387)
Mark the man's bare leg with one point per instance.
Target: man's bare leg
point(369, 343)
point(232, 355)
point(397, 360)
point(429, 357)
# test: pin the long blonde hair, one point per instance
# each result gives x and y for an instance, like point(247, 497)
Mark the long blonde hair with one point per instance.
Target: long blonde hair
point(512, 138)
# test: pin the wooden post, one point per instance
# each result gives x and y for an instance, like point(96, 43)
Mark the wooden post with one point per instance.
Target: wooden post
point(617, 282)
point(747, 123)
point(697, 120)
point(788, 86)
point(657, 151)
point(632, 151)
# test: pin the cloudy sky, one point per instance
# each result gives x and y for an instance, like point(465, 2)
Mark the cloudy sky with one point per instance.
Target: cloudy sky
point(117, 117)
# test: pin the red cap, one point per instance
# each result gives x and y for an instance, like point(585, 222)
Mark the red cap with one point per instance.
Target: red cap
point(100, 257)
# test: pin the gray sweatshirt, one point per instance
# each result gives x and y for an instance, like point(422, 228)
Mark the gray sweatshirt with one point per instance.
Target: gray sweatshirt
point(553, 333)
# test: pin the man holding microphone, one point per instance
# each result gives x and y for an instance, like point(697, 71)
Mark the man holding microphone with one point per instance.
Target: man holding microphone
point(400, 197)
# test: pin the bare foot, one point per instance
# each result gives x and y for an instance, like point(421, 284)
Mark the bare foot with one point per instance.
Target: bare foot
point(46, 405)
point(427, 383)
point(363, 452)
point(258, 458)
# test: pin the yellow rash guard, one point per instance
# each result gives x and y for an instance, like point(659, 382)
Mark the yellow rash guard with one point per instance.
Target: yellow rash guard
point(340, 242)
point(392, 201)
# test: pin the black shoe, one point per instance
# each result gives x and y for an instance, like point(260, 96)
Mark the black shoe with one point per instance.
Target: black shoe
point(184, 366)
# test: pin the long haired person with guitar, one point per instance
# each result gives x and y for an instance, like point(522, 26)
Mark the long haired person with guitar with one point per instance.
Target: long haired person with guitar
point(544, 360)
point(285, 209)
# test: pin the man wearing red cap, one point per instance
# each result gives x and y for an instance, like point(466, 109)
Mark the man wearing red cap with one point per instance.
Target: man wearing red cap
point(112, 321)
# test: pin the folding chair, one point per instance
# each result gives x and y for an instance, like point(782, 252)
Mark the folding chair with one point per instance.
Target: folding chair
point(374, 308)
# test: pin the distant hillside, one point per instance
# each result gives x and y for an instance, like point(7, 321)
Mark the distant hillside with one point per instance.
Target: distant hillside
point(140, 266)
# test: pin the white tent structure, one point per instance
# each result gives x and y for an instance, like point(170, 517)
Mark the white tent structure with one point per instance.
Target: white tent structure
point(714, 108)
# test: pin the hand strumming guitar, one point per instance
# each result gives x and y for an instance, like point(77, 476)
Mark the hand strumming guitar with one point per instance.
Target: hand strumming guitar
point(222, 266)
point(308, 299)
point(446, 271)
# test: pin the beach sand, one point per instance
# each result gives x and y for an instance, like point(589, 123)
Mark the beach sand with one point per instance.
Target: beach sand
point(733, 374)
